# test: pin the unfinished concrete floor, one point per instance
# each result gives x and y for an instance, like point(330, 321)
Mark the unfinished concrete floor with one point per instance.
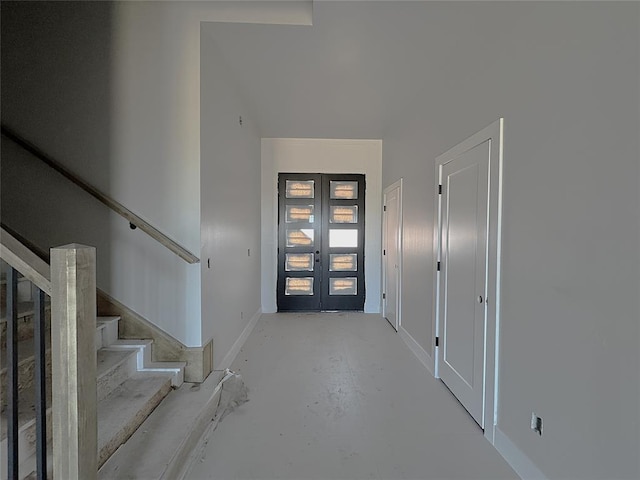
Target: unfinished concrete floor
point(340, 396)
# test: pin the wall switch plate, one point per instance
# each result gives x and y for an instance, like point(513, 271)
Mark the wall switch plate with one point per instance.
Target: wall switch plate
point(536, 423)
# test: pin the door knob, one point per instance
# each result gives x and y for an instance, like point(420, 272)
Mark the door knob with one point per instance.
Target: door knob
point(479, 298)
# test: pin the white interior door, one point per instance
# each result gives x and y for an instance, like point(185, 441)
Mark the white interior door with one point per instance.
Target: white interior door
point(463, 284)
point(392, 253)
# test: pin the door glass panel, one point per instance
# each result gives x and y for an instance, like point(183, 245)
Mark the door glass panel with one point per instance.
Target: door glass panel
point(344, 190)
point(300, 237)
point(343, 238)
point(343, 263)
point(300, 189)
point(299, 213)
point(343, 286)
point(299, 286)
point(298, 262)
point(344, 214)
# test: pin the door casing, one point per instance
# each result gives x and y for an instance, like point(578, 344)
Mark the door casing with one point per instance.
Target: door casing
point(397, 307)
point(494, 134)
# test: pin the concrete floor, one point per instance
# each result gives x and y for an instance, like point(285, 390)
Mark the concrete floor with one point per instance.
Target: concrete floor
point(340, 396)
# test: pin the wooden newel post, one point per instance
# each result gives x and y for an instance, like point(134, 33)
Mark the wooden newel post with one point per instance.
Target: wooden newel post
point(73, 326)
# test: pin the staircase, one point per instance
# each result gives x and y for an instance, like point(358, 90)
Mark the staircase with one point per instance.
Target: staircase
point(129, 385)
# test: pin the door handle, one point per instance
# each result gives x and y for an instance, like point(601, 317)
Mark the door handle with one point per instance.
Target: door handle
point(479, 298)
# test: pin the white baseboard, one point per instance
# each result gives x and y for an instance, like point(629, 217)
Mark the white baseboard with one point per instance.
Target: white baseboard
point(235, 349)
point(515, 457)
point(417, 349)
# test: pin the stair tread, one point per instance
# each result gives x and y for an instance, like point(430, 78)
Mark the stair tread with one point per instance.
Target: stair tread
point(160, 366)
point(125, 398)
point(122, 342)
point(122, 411)
point(169, 429)
point(104, 319)
point(107, 360)
point(127, 406)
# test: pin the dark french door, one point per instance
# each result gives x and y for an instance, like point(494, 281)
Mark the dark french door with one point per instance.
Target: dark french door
point(320, 242)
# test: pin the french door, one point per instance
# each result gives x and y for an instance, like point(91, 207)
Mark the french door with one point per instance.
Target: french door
point(320, 242)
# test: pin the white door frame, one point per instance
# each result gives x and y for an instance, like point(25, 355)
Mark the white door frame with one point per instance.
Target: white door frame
point(494, 134)
point(397, 184)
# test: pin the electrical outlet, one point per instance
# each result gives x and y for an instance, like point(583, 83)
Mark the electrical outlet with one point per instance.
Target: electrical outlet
point(536, 423)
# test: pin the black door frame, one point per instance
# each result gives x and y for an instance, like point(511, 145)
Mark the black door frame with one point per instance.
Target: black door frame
point(321, 300)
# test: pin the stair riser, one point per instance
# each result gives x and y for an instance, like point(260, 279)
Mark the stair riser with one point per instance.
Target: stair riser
point(117, 375)
point(106, 335)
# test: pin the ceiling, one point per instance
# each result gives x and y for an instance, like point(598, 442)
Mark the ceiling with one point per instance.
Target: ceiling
point(363, 70)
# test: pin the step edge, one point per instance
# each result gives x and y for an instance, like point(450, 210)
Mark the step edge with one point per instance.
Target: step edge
point(149, 406)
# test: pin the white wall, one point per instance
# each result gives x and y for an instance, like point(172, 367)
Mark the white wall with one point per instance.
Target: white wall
point(230, 208)
point(321, 156)
point(565, 76)
point(55, 80)
point(404, 157)
point(157, 65)
point(113, 91)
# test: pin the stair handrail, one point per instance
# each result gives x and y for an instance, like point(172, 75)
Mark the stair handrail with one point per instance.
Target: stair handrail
point(134, 220)
point(25, 261)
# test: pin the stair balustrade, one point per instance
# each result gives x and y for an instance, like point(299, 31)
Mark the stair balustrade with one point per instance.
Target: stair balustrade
point(70, 282)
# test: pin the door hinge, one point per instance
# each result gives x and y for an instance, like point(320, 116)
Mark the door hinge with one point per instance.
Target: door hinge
point(439, 189)
point(384, 209)
point(437, 341)
point(384, 295)
point(438, 266)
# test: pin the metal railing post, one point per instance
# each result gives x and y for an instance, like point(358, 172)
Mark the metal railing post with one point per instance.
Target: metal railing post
point(73, 325)
point(12, 377)
point(40, 374)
